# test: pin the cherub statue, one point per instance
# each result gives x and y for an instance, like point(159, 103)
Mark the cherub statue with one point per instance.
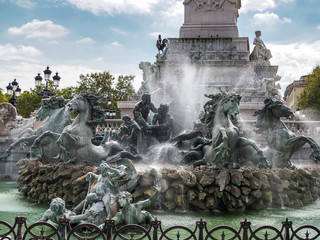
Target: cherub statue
point(56, 211)
point(132, 213)
point(106, 185)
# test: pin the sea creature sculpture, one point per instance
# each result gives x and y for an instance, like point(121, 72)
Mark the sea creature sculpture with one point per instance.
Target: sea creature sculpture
point(74, 141)
point(58, 119)
point(282, 143)
point(221, 114)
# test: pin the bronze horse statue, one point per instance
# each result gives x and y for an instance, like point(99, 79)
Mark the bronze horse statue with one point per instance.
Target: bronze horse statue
point(221, 114)
point(58, 119)
point(282, 143)
point(74, 141)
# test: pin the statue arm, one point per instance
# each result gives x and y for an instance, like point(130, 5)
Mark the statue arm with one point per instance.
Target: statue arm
point(153, 108)
point(155, 119)
point(117, 218)
point(91, 176)
point(45, 216)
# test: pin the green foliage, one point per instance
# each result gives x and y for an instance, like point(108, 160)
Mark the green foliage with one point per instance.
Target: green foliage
point(104, 86)
point(67, 93)
point(100, 84)
point(309, 99)
point(28, 102)
point(3, 96)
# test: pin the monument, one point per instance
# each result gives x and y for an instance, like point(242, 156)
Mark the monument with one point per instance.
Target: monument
point(209, 57)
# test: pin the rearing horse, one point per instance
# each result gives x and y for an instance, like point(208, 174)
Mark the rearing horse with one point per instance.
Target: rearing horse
point(75, 139)
point(221, 113)
point(282, 143)
point(54, 108)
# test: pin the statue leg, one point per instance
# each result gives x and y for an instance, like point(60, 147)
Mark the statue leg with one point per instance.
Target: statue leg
point(34, 150)
point(191, 156)
point(7, 153)
point(264, 163)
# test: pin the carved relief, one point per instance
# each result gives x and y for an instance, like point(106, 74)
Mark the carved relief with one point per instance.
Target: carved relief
point(208, 5)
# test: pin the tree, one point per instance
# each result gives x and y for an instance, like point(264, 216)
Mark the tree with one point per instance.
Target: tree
point(104, 86)
point(309, 99)
point(67, 93)
point(3, 96)
point(28, 103)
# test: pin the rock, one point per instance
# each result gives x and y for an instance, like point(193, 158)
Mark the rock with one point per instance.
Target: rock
point(191, 195)
point(267, 195)
point(223, 179)
point(236, 177)
point(247, 173)
point(273, 176)
point(188, 178)
point(146, 181)
point(211, 203)
point(256, 194)
point(169, 205)
point(285, 174)
point(170, 174)
point(245, 191)
point(169, 194)
point(255, 183)
point(233, 190)
point(164, 185)
point(206, 180)
point(276, 187)
point(202, 196)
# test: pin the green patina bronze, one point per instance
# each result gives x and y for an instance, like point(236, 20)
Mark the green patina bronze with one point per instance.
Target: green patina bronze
point(58, 119)
point(282, 143)
point(220, 116)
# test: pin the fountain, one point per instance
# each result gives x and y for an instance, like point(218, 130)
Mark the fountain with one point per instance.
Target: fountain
point(205, 161)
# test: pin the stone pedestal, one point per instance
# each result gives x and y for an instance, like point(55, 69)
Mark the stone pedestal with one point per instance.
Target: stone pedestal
point(210, 19)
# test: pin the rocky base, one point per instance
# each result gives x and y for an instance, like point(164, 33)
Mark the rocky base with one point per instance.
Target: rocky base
point(182, 188)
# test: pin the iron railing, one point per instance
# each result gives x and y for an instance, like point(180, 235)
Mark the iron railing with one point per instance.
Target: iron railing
point(64, 231)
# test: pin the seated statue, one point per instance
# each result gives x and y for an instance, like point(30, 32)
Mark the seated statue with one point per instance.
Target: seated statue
point(132, 213)
point(141, 111)
point(128, 135)
point(56, 211)
point(162, 124)
point(260, 51)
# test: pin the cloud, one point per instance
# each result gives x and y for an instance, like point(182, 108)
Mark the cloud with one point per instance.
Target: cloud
point(269, 19)
point(318, 27)
point(119, 31)
point(24, 3)
point(294, 60)
point(112, 7)
point(39, 29)
point(116, 44)
point(10, 52)
point(256, 5)
point(85, 40)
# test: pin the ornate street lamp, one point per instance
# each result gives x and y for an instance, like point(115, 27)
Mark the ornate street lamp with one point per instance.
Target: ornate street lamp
point(46, 92)
point(14, 90)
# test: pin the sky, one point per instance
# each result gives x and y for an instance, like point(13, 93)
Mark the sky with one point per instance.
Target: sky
point(76, 37)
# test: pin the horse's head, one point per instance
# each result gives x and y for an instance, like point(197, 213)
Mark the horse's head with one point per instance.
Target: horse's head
point(77, 104)
point(231, 107)
point(278, 109)
point(48, 106)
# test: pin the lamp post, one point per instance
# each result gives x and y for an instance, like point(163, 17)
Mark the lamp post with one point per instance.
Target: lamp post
point(46, 92)
point(14, 90)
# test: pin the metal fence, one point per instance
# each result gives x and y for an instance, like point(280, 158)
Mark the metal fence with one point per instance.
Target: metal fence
point(154, 231)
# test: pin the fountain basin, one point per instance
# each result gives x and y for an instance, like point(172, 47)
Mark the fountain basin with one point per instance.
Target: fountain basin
point(182, 188)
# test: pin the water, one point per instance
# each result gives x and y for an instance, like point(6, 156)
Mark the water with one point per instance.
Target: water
point(12, 204)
